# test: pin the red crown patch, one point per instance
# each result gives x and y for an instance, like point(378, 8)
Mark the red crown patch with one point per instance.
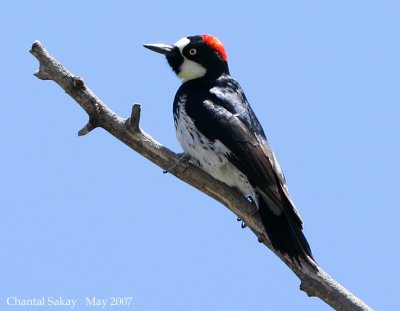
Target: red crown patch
point(216, 45)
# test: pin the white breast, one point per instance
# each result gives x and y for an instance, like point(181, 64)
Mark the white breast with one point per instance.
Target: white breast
point(211, 155)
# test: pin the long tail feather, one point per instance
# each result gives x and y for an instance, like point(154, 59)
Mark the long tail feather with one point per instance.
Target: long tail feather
point(286, 235)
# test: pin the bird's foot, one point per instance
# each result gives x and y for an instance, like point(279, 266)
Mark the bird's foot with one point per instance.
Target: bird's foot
point(243, 224)
point(182, 156)
point(253, 202)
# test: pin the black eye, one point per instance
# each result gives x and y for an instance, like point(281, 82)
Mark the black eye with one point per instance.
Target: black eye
point(192, 52)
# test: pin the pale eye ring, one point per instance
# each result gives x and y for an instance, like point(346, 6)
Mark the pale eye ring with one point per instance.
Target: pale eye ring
point(192, 52)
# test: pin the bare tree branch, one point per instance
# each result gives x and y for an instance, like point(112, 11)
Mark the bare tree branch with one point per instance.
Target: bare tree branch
point(314, 282)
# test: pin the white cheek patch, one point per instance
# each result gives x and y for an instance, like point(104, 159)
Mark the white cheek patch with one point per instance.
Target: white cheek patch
point(189, 69)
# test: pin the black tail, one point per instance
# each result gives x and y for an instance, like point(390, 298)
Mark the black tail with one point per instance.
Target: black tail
point(285, 233)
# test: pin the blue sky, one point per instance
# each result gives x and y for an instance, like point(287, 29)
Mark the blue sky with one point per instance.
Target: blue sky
point(88, 217)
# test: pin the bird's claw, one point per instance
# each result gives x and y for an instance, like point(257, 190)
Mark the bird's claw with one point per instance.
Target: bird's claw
point(182, 156)
point(243, 224)
point(253, 202)
point(250, 199)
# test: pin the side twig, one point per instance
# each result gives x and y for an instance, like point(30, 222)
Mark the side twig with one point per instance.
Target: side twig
point(314, 282)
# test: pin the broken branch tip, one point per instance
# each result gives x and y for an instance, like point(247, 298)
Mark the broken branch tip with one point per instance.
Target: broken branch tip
point(87, 129)
point(35, 45)
point(135, 117)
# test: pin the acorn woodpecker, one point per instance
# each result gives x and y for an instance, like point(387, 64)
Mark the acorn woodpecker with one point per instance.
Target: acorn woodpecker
point(216, 126)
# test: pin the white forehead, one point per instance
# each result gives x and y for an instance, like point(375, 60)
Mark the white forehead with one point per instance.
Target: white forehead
point(181, 43)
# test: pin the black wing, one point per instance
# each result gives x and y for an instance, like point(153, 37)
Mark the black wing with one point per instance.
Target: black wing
point(226, 116)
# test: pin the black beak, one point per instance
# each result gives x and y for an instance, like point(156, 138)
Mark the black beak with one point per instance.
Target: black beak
point(160, 48)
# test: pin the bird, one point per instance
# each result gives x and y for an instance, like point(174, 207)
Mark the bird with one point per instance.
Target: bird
point(217, 128)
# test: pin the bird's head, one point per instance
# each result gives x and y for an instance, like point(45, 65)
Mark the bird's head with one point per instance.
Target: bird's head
point(194, 57)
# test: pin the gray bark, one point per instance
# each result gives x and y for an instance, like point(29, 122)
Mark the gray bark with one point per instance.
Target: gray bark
point(314, 282)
